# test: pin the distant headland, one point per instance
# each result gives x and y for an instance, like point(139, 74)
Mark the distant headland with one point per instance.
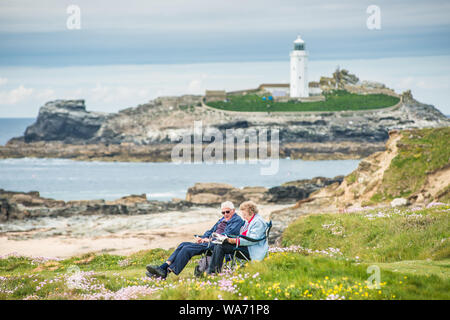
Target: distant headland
point(344, 118)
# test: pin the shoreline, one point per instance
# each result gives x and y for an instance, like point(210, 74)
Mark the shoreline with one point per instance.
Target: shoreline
point(130, 152)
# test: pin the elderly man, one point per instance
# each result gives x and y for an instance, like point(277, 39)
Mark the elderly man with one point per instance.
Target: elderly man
point(229, 224)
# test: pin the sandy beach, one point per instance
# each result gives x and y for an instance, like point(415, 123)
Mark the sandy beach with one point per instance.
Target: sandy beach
point(70, 236)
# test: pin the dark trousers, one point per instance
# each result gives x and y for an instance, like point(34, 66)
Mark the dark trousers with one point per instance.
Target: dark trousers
point(185, 251)
point(220, 250)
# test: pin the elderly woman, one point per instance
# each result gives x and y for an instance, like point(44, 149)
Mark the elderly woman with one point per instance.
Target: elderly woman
point(254, 227)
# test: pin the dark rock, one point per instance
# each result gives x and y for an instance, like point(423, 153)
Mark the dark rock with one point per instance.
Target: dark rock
point(243, 124)
point(65, 120)
point(297, 190)
point(19, 205)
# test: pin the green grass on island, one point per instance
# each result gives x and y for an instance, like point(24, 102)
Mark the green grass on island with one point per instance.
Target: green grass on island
point(323, 257)
point(338, 100)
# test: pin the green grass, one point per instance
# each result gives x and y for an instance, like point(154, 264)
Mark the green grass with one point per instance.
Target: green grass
point(420, 267)
point(411, 252)
point(379, 235)
point(339, 100)
point(280, 276)
point(420, 152)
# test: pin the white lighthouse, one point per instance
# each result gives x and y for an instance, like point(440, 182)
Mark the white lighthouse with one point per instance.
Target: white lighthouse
point(299, 68)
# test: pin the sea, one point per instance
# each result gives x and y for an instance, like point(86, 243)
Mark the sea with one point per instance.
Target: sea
point(13, 127)
point(65, 179)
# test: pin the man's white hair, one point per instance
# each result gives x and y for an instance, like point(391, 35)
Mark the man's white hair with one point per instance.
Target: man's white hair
point(227, 204)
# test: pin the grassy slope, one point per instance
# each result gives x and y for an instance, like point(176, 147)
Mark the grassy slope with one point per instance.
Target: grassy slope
point(337, 101)
point(379, 235)
point(420, 152)
point(400, 245)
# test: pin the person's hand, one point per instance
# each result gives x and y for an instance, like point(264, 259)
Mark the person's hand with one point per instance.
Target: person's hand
point(231, 240)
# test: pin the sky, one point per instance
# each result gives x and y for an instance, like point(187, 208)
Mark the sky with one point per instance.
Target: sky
point(129, 52)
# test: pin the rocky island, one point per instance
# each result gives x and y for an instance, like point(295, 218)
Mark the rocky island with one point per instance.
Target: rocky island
point(148, 132)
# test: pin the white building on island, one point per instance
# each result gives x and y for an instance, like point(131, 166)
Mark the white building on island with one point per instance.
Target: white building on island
point(297, 89)
point(299, 70)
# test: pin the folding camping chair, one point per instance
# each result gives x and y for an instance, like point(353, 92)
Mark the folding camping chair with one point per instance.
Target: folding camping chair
point(238, 257)
point(205, 259)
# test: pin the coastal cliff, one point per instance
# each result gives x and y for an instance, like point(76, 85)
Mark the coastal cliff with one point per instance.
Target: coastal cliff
point(413, 170)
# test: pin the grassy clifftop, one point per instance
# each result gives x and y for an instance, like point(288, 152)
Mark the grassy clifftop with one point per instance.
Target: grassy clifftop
point(324, 257)
point(422, 160)
point(415, 166)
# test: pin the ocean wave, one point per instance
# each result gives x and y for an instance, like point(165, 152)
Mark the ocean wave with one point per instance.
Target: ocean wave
point(158, 195)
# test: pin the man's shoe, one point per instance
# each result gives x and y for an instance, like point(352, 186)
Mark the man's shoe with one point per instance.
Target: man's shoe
point(157, 271)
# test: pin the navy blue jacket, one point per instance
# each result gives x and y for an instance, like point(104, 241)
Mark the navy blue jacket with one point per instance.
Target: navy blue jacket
point(232, 228)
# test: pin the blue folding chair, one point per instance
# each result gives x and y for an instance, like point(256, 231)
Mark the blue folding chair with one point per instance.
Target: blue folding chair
point(238, 257)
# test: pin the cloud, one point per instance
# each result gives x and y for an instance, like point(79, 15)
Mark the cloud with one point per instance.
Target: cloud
point(15, 95)
point(231, 15)
point(197, 86)
point(21, 94)
point(117, 95)
point(424, 83)
point(46, 94)
point(3, 81)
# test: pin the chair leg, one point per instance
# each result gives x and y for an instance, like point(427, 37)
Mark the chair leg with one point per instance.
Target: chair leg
point(238, 260)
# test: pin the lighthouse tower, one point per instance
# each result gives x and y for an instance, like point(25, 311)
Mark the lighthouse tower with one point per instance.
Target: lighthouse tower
point(299, 79)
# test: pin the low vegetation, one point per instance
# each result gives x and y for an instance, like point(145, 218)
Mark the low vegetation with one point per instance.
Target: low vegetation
point(339, 100)
point(377, 235)
point(322, 257)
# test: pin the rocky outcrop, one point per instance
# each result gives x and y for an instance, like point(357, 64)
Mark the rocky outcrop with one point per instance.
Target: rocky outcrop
point(149, 131)
point(24, 205)
point(64, 120)
point(215, 193)
point(290, 192)
point(298, 190)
